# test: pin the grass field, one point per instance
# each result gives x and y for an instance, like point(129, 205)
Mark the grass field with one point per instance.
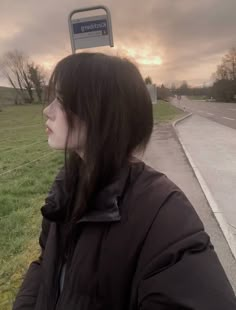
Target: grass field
point(22, 192)
point(27, 169)
point(165, 112)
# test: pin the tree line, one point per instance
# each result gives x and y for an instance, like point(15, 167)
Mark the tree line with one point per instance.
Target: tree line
point(223, 88)
point(27, 78)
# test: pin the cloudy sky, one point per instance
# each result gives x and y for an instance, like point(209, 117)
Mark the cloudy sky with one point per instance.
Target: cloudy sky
point(171, 40)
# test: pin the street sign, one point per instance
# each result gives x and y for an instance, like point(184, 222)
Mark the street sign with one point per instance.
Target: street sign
point(91, 31)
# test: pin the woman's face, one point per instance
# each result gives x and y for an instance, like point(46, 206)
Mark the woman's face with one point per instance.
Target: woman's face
point(57, 129)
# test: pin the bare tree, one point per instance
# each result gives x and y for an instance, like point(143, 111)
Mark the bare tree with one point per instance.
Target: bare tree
point(37, 78)
point(222, 73)
point(224, 87)
point(14, 68)
point(227, 69)
point(230, 63)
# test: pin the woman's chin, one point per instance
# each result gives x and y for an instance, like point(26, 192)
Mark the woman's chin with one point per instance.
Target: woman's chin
point(55, 146)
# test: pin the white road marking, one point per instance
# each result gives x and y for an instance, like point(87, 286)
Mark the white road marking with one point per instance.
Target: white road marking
point(230, 119)
point(209, 113)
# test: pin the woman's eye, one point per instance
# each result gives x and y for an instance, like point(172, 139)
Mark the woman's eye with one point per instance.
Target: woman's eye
point(59, 101)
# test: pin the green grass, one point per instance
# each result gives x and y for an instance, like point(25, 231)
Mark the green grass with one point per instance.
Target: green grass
point(22, 192)
point(164, 112)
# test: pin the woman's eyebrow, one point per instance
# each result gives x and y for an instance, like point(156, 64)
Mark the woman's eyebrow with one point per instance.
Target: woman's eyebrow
point(57, 89)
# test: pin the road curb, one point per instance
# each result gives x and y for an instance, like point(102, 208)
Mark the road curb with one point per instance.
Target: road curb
point(225, 227)
point(180, 120)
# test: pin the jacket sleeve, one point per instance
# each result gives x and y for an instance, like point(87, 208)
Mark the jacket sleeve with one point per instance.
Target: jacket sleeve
point(180, 269)
point(27, 294)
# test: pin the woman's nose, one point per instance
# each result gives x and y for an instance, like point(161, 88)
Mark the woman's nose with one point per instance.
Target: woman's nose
point(48, 111)
point(45, 111)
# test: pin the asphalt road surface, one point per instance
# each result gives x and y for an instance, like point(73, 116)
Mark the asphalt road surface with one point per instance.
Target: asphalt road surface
point(220, 112)
point(164, 153)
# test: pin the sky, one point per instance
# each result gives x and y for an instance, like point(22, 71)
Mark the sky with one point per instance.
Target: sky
point(169, 40)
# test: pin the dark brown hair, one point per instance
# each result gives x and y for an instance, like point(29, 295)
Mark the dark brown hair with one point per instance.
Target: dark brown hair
point(109, 95)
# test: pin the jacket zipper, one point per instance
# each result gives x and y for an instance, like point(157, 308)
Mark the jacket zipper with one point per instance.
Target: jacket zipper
point(68, 264)
point(60, 295)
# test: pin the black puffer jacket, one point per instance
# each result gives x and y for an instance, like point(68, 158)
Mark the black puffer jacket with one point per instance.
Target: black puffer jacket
point(146, 250)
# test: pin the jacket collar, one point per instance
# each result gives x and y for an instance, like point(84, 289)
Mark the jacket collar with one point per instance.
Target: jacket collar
point(105, 204)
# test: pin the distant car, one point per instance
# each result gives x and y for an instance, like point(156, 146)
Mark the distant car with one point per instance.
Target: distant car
point(210, 99)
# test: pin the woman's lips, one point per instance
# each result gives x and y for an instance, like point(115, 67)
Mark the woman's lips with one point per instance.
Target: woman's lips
point(48, 130)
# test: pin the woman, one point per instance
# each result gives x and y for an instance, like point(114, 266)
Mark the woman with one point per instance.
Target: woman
point(116, 234)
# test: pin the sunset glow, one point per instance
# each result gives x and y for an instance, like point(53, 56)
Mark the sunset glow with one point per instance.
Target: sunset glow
point(143, 56)
point(48, 65)
point(151, 60)
point(164, 39)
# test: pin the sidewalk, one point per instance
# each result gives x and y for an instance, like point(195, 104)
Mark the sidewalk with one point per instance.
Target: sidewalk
point(165, 154)
point(212, 148)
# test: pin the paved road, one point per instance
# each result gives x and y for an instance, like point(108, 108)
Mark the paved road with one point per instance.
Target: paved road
point(212, 147)
point(220, 112)
point(177, 168)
